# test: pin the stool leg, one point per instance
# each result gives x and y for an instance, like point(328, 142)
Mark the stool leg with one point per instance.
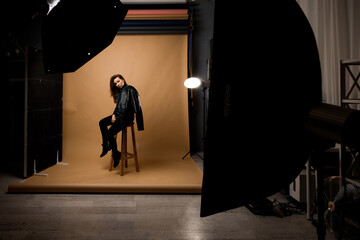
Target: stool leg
point(123, 151)
point(111, 163)
point(134, 148)
point(126, 149)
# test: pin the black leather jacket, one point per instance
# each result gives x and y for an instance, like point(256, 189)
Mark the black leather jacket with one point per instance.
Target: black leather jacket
point(127, 105)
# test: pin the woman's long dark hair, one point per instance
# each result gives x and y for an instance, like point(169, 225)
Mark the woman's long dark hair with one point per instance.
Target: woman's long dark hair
point(113, 89)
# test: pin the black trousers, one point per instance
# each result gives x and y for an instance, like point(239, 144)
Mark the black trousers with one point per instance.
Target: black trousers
point(108, 134)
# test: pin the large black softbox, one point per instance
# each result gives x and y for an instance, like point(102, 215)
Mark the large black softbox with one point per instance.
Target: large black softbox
point(265, 78)
point(74, 31)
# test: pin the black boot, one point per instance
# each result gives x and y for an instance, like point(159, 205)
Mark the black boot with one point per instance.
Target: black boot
point(105, 149)
point(116, 156)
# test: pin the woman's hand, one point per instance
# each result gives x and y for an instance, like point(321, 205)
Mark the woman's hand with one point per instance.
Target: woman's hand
point(113, 119)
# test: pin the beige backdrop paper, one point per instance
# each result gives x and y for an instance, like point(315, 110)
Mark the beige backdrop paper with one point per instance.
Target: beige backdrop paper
point(156, 65)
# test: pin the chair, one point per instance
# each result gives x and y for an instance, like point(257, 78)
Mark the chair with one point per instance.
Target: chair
point(125, 155)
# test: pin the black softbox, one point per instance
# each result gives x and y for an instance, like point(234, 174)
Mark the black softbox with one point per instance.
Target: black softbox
point(75, 31)
point(265, 78)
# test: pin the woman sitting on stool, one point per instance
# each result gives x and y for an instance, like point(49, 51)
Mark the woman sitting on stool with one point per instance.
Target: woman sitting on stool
point(128, 104)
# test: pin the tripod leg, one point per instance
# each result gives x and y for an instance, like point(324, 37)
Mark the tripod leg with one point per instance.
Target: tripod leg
point(185, 155)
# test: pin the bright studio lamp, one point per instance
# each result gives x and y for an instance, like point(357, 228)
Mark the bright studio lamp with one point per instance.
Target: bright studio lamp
point(193, 82)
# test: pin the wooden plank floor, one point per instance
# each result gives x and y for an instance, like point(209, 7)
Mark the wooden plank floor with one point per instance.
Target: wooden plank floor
point(118, 216)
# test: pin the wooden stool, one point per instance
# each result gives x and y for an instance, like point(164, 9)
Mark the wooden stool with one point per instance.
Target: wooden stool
point(125, 155)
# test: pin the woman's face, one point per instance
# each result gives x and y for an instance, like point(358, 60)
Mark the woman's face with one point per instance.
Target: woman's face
point(119, 82)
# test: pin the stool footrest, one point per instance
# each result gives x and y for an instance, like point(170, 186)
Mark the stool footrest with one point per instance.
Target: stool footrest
point(129, 155)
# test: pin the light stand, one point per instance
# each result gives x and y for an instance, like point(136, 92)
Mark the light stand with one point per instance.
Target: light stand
point(192, 83)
